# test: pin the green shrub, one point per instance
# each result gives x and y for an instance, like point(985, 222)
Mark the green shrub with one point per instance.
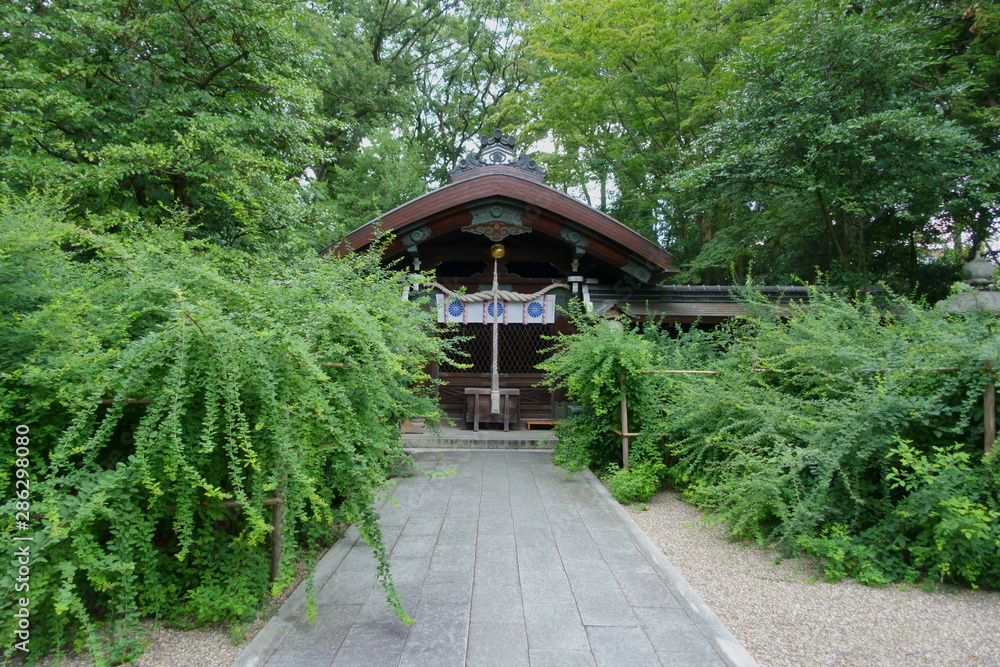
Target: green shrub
point(589, 365)
point(849, 429)
point(233, 360)
point(635, 485)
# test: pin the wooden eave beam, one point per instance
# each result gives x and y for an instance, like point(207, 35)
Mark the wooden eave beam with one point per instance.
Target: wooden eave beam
point(610, 240)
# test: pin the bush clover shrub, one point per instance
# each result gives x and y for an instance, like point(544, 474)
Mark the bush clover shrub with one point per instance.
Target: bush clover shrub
point(254, 378)
point(635, 485)
point(845, 428)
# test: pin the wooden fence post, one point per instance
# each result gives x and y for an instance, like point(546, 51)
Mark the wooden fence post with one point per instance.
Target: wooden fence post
point(624, 423)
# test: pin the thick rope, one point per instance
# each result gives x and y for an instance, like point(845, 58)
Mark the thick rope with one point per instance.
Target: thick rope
point(495, 385)
point(495, 294)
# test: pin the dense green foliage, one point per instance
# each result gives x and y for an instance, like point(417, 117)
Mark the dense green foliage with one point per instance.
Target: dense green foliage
point(778, 138)
point(232, 359)
point(130, 106)
point(217, 106)
point(410, 82)
point(771, 138)
point(175, 348)
point(590, 366)
point(848, 430)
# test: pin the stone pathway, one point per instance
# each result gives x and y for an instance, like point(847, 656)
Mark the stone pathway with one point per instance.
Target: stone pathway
point(505, 562)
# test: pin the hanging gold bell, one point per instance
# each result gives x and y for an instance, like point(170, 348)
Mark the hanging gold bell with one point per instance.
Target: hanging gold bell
point(497, 251)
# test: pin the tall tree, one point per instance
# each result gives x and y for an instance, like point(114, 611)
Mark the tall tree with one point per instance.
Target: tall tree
point(831, 107)
point(776, 136)
point(411, 82)
point(368, 54)
point(967, 38)
point(623, 89)
point(129, 106)
point(477, 62)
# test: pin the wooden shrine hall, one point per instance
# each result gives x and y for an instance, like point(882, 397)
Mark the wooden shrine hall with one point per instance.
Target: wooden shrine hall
point(508, 252)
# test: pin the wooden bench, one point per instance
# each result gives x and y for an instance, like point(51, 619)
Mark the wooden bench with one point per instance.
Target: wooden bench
point(540, 422)
point(477, 407)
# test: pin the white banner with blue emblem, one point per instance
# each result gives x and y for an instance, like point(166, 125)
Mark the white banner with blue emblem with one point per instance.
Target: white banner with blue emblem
point(540, 311)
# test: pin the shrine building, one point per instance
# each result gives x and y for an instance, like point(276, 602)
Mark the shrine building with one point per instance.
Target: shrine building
point(497, 223)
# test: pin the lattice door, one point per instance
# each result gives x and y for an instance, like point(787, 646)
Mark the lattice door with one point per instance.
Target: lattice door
point(521, 347)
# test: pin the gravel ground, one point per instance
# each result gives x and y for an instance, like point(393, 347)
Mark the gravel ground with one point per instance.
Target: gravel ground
point(783, 619)
point(207, 646)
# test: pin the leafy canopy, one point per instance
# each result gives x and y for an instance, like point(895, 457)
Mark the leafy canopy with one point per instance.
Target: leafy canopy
point(138, 107)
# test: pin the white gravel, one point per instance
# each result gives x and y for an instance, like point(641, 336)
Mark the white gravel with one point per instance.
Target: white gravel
point(208, 646)
point(783, 617)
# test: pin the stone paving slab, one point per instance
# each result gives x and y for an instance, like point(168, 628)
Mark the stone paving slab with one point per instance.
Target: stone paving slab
point(504, 562)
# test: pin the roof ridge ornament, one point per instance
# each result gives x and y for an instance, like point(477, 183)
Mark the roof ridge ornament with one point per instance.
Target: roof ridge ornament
point(486, 141)
point(496, 150)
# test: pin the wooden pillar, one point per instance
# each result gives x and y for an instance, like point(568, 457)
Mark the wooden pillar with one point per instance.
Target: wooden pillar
point(624, 423)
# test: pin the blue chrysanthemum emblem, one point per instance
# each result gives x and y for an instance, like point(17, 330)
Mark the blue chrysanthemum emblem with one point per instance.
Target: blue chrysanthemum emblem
point(456, 308)
point(489, 309)
point(535, 309)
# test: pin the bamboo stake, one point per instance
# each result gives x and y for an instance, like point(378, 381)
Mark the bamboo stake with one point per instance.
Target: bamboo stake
point(231, 503)
point(678, 372)
point(267, 501)
point(278, 518)
point(636, 435)
point(943, 369)
point(624, 423)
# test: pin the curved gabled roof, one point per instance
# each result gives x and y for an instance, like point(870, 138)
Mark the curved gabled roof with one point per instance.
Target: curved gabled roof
point(545, 210)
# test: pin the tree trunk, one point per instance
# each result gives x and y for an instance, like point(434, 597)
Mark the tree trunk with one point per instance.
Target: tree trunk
point(828, 221)
point(179, 183)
